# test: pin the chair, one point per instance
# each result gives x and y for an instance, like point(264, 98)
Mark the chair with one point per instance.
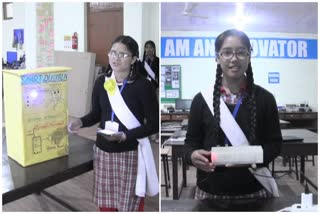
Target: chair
point(165, 151)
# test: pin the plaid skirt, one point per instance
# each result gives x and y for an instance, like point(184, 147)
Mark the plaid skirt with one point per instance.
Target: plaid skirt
point(200, 195)
point(115, 176)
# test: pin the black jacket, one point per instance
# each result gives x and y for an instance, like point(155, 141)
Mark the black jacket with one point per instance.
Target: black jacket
point(200, 135)
point(155, 68)
point(140, 98)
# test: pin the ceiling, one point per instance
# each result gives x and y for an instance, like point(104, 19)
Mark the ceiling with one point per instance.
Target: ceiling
point(264, 17)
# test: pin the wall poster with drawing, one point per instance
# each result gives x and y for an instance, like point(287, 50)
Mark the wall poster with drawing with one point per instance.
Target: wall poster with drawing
point(170, 83)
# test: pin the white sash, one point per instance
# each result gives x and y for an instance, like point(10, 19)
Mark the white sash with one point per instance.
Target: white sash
point(150, 71)
point(147, 180)
point(237, 138)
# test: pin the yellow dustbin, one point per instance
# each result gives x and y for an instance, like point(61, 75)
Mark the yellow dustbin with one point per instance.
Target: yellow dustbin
point(36, 117)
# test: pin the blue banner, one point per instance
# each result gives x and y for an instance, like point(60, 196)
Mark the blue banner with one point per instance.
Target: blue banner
point(277, 48)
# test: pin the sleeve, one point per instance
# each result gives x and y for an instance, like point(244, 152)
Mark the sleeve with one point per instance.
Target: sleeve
point(195, 132)
point(271, 132)
point(94, 115)
point(150, 105)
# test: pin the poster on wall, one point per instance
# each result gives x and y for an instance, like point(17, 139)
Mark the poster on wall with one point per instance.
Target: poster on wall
point(273, 77)
point(45, 34)
point(67, 42)
point(170, 83)
point(18, 38)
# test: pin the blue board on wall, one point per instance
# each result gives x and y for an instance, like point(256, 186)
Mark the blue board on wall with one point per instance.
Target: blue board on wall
point(11, 56)
point(274, 77)
point(272, 48)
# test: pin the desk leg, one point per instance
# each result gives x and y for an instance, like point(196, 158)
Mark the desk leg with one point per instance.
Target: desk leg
point(302, 157)
point(175, 174)
point(184, 172)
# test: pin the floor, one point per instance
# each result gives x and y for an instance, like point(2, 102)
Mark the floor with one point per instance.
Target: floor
point(77, 192)
point(285, 181)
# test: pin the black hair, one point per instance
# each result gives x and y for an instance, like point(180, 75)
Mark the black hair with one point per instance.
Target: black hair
point(149, 42)
point(250, 98)
point(133, 48)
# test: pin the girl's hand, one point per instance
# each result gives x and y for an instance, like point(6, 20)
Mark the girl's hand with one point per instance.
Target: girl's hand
point(74, 126)
point(201, 160)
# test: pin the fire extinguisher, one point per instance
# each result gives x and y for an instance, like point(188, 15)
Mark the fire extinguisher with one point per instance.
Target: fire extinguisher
point(75, 41)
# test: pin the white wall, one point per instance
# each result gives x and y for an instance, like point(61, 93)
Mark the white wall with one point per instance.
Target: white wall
point(132, 20)
point(298, 77)
point(18, 22)
point(70, 17)
point(298, 80)
point(141, 21)
point(150, 19)
point(30, 35)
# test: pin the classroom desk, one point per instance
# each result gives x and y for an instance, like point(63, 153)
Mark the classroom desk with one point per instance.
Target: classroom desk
point(18, 181)
point(284, 124)
point(271, 204)
point(176, 141)
point(308, 147)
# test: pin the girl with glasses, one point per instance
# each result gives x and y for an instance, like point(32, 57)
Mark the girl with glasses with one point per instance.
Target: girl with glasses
point(256, 116)
point(120, 97)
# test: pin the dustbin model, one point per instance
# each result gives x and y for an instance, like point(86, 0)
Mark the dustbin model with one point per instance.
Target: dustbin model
point(36, 115)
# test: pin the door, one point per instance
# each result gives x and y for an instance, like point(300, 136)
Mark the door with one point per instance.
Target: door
point(105, 23)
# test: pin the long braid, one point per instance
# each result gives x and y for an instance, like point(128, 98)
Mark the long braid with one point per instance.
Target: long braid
point(216, 101)
point(250, 99)
point(251, 104)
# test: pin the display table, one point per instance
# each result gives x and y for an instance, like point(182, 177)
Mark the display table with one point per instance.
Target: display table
point(18, 181)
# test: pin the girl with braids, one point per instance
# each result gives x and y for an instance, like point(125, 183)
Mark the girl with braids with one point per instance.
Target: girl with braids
point(116, 155)
point(257, 117)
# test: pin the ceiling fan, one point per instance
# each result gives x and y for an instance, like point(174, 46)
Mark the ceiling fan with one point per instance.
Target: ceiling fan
point(188, 8)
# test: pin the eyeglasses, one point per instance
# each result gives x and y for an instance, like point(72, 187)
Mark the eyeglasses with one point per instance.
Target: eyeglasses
point(120, 55)
point(228, 54)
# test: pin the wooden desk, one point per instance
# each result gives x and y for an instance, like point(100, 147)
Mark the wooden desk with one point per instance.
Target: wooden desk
point(18, 181)
point(170, 127)
point(174, 116)
point(284, 124)
point(304, 120)
point(308, 147)
point(176, 141)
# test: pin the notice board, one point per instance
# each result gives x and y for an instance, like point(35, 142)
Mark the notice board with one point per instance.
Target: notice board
point(170, 83)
